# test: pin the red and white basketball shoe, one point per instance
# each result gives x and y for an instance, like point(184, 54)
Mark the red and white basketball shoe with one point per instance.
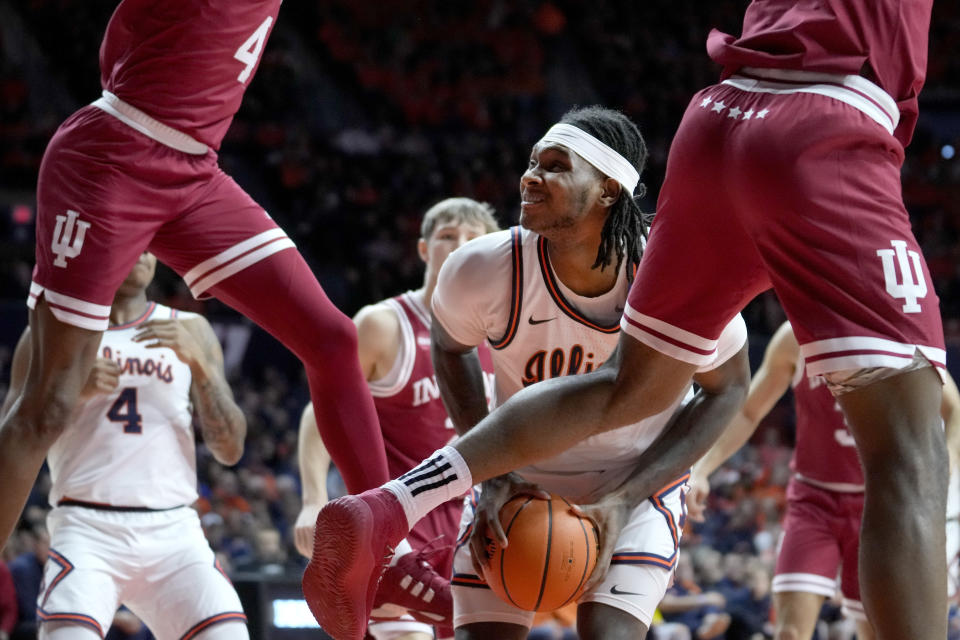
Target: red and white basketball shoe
point(411, 585)
point(353, 542)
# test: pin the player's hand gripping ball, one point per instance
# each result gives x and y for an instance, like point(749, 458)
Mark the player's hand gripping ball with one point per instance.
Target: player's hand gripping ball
point(551, 552)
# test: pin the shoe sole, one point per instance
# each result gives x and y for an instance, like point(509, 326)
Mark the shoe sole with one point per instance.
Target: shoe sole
point(342, 561)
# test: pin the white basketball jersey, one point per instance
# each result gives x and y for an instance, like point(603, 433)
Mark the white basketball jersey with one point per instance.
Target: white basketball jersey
point(134, 447)
point(547, 337)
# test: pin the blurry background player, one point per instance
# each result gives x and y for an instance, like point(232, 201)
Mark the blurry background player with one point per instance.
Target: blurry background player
point(825, 494)
point(138, 169)
point(784, 175)
point(394, 353)
point(124, 474)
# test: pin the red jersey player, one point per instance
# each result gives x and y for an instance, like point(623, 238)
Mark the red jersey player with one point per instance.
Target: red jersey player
point(825, 494)
point(394, 354)
point(137, 170)
point(786, 174)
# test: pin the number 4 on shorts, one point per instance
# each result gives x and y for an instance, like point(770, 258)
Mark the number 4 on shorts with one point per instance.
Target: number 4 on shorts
point(249, 52)
point(124, 410)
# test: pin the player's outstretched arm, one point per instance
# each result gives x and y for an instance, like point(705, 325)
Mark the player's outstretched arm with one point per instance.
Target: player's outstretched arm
point(769, 384)
point(314, 462)
point(222, 423)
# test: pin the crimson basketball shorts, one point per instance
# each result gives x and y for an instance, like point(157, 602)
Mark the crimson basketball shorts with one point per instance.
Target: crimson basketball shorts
point(790, 180)
point(819, 543)
point(639, 574)
point(113, 185)
point(158, 564)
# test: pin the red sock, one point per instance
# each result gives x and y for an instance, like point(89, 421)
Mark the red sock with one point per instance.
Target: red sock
point(283, 296)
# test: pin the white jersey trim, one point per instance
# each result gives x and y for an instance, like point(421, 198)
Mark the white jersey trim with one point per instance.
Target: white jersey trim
point(804, 582)
point(392, 383)
point(854, 90)
point(238, 257)
point(69, 310)
point(153, 129)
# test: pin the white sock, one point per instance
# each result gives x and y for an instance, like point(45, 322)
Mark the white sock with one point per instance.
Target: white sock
point(439, 478)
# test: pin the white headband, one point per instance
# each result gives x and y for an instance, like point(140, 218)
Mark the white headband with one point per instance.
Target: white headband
point(596, 152)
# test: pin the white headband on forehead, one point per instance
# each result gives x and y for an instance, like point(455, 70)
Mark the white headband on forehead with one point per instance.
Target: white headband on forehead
point(596, 152)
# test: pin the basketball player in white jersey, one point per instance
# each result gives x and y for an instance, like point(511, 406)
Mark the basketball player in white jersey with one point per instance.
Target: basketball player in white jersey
point(124, 475)
point(817, 555)
point(394, 353)
point(548, 297)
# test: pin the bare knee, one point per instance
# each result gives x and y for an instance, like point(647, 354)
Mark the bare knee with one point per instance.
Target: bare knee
point(787, 632)
point(40, 418)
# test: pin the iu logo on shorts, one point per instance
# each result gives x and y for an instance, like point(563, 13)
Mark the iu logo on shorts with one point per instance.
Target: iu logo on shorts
point(912, 287)
point(68, 238)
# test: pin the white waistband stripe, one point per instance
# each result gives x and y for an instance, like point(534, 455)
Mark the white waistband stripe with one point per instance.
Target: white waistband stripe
point(856, 91)
point(136, 119)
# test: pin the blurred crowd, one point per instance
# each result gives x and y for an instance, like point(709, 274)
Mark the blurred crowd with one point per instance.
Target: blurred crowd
point(361, 116)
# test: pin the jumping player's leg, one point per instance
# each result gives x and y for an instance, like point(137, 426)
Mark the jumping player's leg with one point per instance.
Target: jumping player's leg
point(62, 356)
point(228, 247)
point(290, 304)
point(796, 614)
point(896, 423)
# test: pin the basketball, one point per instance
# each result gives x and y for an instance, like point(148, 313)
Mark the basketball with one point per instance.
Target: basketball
point(550, 554)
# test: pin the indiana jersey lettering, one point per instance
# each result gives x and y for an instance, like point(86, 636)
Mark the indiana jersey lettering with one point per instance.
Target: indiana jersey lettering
point(550, 332)
point(133, 447)
point(825, 453)
point(208, 50)
point(412, 416)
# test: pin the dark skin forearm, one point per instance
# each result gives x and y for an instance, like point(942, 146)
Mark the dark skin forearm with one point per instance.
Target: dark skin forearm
point(222, 423)
point(460, 378)
point(689, 434)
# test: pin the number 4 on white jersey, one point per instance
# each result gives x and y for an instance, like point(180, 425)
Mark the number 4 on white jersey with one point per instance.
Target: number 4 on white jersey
point(249, 52)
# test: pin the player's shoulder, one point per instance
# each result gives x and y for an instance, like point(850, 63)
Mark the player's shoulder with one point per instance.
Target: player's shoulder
point(377, 319)
point(483, 252)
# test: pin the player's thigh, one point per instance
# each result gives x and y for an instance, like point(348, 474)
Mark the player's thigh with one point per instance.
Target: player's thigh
point(182, 590)
point(633, 591)
point(80, 591)
point(810, 551)
point(596, 621)
point(233, 630)
point(700, 266)
point(491, 631)
point(195, 598)
point(222, 232)
point(797, 611)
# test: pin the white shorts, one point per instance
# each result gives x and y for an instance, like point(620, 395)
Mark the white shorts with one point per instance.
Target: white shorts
point(392, 629)
point(642, 565)
point(156, 563)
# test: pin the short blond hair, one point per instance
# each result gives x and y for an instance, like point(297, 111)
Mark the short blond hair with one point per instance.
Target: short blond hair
point(458, 210)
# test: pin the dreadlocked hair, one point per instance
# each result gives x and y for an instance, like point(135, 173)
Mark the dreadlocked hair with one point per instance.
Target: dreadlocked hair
point(625, 230)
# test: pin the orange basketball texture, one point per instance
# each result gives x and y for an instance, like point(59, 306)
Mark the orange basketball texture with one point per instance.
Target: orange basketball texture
point(550, 554)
